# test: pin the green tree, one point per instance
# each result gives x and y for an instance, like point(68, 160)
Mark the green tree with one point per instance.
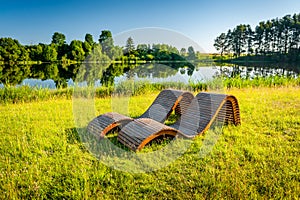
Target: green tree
point(87, 47)
point(89, 39)
point(49, 53)
point(58, 39)
point(107, 43)
point(191, 53)
point(116, 53)
point(220, 43)
point(287, 22)
point(12, 50)
point(36, 52)
point(183, 52)
point(259, 36)
point(142, 50)
point(129, 47)
point(76, 51)
point(239, 39)
point(88, 44)
point(249, 39)
point(296, 32)
point(268, 37)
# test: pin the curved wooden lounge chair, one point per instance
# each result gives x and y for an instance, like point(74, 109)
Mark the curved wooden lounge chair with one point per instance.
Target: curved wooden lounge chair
point(205, 109)
point(167, 101)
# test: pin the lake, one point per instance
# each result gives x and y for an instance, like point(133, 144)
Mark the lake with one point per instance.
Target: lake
point(52, 75)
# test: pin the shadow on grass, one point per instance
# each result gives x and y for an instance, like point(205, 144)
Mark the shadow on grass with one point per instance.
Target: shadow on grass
point(108, 150)
point(158, 143)
point(72, 135)
point(82, 137)
point(86, 140)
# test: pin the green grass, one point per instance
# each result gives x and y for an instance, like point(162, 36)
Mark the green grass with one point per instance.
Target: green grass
point(42, 157)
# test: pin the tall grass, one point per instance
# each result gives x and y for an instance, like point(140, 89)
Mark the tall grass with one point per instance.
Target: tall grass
point(27, 94)
point(271, 81)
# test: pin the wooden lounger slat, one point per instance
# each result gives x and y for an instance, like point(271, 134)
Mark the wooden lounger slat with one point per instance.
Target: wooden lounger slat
point(142, 130)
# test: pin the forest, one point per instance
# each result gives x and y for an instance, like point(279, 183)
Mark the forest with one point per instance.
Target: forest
point(275, 40)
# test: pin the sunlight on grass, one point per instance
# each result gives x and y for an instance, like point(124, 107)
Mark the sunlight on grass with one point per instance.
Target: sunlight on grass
point(42, 156)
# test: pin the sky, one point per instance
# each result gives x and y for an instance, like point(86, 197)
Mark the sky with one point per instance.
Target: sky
point(33, 22)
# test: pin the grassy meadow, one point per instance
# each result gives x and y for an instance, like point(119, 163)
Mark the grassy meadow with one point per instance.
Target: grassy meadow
point(42, 157)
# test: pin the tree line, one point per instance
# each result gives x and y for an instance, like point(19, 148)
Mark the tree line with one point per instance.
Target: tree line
point(278, 38)
point(58, 50)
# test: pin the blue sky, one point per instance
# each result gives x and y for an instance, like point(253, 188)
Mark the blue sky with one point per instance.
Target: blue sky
point(35, 21)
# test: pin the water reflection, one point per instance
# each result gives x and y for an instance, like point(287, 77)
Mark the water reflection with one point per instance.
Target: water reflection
point(12, 74)
point(161, 73)
point(117, 72)
point(57, 75)
point(250, 72)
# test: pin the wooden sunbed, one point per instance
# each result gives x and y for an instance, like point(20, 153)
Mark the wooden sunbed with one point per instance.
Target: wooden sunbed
point(204, 110)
